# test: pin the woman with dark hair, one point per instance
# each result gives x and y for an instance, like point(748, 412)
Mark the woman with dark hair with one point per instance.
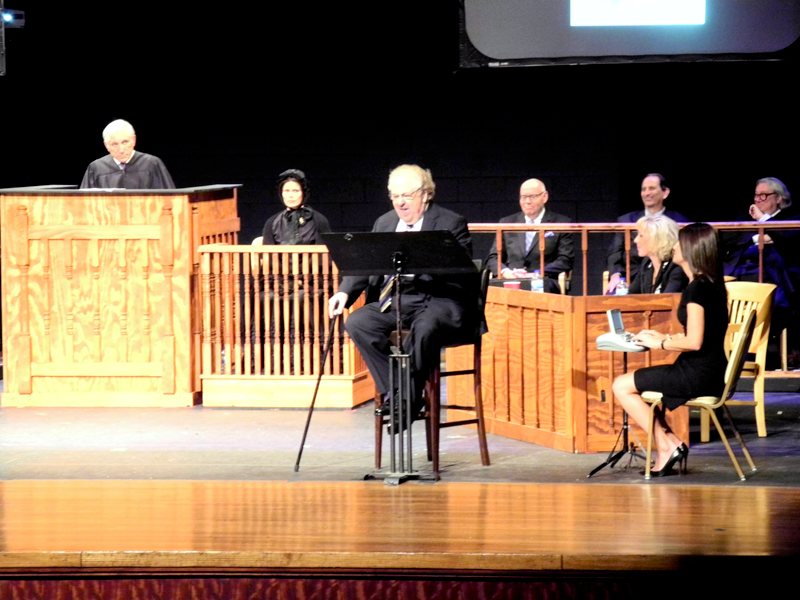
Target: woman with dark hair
point(297, 223)
point(700, 368)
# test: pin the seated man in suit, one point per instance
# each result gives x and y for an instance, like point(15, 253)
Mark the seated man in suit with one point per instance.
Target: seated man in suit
point(654, 192)
point(436, 309)
point(520, 256)
point(772, 202)
point(124, 167)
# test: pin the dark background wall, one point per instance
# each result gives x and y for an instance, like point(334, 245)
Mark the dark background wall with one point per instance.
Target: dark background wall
point(237, 92)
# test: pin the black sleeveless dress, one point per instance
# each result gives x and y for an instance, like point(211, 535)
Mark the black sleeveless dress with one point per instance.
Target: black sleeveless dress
point(697, 373)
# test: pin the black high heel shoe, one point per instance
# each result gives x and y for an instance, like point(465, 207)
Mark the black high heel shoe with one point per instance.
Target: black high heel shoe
point(680, 456)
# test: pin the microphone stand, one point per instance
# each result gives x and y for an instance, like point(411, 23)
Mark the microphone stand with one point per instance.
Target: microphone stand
point(400, 451)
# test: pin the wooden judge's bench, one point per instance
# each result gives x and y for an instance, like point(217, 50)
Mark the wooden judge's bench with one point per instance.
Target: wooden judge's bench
point(100, 293)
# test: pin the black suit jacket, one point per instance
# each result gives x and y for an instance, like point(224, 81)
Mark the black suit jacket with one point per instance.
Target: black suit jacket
point(559, 251)
point(462, 288)
point(781, 262)
point(670, 279)
point(616, 251)
point(735, 243)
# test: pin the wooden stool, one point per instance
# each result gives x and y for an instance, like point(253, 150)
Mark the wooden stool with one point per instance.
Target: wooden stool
point(433, 405)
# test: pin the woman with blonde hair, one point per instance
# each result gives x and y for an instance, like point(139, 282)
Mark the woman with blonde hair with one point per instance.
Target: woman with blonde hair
point(655, 239)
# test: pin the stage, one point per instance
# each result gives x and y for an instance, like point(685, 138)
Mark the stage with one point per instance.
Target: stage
point(349, 531)
point(202, 502)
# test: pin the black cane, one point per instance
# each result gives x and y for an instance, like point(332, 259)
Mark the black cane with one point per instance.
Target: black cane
point(316, 389)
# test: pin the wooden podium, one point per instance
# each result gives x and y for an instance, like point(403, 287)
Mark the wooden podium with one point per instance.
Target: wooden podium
point(101, 294)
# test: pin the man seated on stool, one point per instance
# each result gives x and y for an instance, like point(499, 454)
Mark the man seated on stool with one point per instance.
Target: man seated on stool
point(123, 167)
point(520, 256)
point(654, 192)
point(436, 309)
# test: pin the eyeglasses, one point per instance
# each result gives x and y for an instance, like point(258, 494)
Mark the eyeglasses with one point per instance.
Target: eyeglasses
point(530, 196)
point(763, 197)
point(405, 197)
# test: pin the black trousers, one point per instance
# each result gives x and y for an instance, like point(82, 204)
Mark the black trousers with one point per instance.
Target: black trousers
point(433, 323)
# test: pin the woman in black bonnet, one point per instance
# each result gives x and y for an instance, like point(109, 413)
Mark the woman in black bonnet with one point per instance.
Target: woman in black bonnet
point(295, 298)
point(297, 223)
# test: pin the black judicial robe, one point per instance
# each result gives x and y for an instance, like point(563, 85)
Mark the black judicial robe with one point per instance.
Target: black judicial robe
point(143, 172)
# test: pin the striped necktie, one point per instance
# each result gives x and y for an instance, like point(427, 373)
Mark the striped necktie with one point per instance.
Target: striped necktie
point(385, 298)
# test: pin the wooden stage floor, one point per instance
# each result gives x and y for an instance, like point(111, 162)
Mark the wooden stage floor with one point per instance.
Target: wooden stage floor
point(202, 503)
point(213, 526)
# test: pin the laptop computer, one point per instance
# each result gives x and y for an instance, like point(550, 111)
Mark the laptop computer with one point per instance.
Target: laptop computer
point(617, 339)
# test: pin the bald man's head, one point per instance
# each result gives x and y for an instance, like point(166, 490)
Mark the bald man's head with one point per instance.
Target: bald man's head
point(532, 198)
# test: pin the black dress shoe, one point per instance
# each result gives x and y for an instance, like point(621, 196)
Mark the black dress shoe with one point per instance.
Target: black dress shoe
point(384, 409)
point(416, 413)
point(680, 456)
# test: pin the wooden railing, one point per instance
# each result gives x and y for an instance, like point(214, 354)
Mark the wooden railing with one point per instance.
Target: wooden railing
point(265, 318)
point(584, 229)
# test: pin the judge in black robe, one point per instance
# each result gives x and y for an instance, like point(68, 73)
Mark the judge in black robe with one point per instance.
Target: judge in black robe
point(143, 172)
point(124, 167)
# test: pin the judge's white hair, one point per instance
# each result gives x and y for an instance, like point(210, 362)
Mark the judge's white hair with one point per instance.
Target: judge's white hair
point(118, 126)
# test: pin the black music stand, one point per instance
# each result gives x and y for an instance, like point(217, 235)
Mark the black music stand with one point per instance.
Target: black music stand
point(398, 254)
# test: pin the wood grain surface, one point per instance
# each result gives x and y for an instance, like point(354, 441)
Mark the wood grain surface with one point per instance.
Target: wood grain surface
point(544, 380)
point(101, 295)
point(357, 525)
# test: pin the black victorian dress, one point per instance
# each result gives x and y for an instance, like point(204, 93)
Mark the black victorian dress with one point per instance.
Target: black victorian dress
point(303, 225)
point(289, 324)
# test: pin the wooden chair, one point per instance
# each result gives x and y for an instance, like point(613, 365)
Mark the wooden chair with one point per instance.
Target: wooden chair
point(742, 333)
point(564, 282)
point(744, 296)
point(784, 340)
point(254, 258)
point(433, 405)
